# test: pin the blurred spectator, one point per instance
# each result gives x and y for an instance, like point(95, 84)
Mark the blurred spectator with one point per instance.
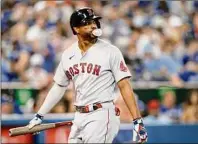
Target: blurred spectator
point(175, 32)
point(59, 108)
point(36, 75)
point(192, 52)
point(168, 104)
point(134, 63)
point(5, 70)
point(37, 35)
point(57, 43)
point(24, 101)
point(6, 21)
point(68, 100)
point(18, 31)
point(190, 108)
point(49, 59)
point(115, 28)
point(181, 8)
point(14, 62)
point(124, 112)
point(19, 58)
point(154, 116)
point(163, 68)
point(7, 104)
point(190, 62)
point(195, 25)
point(148, 38)
point(161, 7)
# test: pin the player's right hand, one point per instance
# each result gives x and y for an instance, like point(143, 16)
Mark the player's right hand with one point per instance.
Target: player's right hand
point(35, 121)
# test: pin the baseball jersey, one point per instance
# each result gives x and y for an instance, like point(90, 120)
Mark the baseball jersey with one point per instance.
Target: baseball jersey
point(94, 73)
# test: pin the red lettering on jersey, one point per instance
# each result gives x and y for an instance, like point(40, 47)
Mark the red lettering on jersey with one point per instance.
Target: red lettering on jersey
point(83, 67)
point(71, 71)
point(96, 70)
point(76, 70)
point(89, 68)
point(68, 75)
point(123, 67)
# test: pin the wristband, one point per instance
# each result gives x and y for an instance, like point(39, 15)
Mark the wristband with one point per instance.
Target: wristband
point(138, 121)
point(39, 116)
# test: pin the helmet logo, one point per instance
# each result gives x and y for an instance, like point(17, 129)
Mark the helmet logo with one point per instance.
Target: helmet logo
point(84, 15)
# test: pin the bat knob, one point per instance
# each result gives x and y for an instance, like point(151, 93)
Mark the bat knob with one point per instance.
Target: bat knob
point(10, 133)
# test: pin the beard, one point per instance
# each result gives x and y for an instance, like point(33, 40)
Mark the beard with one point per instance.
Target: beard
point(89, 36)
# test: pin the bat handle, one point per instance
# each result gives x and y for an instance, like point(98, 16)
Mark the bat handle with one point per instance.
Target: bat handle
point(135, 136)
point(10, 133)
point(67, 123)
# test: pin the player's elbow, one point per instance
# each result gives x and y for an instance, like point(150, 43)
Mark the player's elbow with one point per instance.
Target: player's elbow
point(124, 83)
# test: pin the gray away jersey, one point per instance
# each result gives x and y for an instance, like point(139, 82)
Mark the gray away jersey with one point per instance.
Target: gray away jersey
point(94, 73)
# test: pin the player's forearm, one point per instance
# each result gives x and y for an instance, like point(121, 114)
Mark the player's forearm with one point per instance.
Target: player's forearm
point(129, 98)
point(53, 97)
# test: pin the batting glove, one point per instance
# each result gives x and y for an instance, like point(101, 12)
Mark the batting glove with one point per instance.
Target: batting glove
point(139, 131)
point(35, 121)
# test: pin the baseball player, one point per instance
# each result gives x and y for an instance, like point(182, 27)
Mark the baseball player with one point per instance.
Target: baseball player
point(95, 66)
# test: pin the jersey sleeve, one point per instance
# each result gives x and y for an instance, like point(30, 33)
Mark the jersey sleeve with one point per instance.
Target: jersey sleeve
point(60, 77)
point(118, 65)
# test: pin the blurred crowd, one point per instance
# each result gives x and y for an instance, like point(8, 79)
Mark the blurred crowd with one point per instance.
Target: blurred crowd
point(157, 38)
point(164, 110)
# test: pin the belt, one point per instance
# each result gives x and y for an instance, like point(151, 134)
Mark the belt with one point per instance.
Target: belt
point(88, 108)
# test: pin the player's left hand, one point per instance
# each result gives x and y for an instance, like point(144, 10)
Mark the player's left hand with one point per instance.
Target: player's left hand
point(35, 121)
point(139, 131)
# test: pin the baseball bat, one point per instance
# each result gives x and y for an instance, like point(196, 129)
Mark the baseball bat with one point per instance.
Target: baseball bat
point(25, 130)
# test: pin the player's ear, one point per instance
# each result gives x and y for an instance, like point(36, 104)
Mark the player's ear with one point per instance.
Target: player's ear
point(76, 29)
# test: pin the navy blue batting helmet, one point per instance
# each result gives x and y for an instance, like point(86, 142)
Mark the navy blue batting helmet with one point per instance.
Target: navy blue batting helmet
point(81, 16)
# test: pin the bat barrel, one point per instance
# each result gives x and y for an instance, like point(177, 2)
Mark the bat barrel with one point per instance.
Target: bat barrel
point(25, 130)
point(20, 131)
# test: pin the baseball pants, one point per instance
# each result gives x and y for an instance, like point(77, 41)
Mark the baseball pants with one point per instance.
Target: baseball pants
point(99, 126)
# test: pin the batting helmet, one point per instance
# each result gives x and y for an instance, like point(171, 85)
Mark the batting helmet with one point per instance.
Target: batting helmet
point(80, 17)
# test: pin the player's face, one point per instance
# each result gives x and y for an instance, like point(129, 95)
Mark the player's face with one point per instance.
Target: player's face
point(86, 30)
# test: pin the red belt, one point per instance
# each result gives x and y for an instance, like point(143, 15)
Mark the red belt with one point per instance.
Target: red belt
point(85, 109)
